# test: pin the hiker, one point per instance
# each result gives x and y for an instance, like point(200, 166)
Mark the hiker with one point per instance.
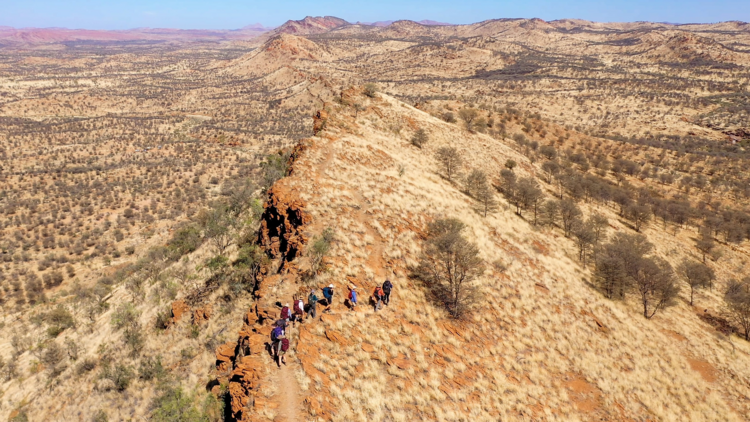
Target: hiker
point(281, 348)
point(286, 313)
point(377, 297)
point(387, 287)
point(353, 296)
point(328, 295)
point(299, 310)
point(312, 304)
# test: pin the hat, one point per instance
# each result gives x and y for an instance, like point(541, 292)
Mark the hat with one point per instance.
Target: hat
point(287, 305)
point(330, 285)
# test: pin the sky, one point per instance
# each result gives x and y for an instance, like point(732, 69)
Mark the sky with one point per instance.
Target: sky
point(233, 14)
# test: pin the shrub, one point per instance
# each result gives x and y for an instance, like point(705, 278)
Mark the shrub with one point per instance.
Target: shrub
point(100, 416)
point(185, 240)
point(120, 375)
point(420, 138)
point(319, 249)
point(86, 365)
point(370, 90)
point(151, 368)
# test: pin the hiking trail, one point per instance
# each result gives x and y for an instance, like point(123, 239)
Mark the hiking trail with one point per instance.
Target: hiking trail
point(288, 396)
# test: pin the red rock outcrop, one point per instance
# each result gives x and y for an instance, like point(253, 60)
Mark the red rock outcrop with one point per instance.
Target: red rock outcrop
point(282, 222)
point(202, 314)
point(179, 308)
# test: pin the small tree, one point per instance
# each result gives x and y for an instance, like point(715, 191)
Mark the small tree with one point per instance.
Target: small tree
point(569, 214)
point(420, 138)
point(737, 299)
point(486, 196)
point(585, 238)
point(550, 212)
point(639, 214)
point(705, 243)
point(654, 281)
point(510, 164)
point(529, 194)
point(217, 227)
point(696, 275)
point(468, 115)
point(473, 181)
point(450, 159)
point(449, 265)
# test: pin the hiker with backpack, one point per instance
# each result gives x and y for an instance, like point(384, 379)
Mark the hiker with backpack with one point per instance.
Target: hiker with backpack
point(387, 287)
point(353, 297)
point(279, 345)
point(377, 297)
point(286, 313)
point(312, 304)
point(328, 295)
point(299, 310)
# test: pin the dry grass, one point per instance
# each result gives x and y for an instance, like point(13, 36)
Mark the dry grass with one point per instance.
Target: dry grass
point(510, 359)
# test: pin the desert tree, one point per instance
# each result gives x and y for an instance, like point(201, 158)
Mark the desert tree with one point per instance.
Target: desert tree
point(529, 196)
point(585, 236)
point(450, 160)
point(653, 279)
point(550, 212)
point(737, 299)
point(478, 187)
point(569, 214)
point(510, 164)
point(449, 265)
point(705, 243)
point(599, 224)
point(614, 259)
point(696, 274)
point(468, 115)
point(486, 197)
point(473, 180)
point(639, 214)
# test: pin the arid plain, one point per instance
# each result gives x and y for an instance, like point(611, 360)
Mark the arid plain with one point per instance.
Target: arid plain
point(161, 193)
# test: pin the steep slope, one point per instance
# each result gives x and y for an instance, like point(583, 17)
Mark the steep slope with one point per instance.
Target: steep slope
point(541, 345)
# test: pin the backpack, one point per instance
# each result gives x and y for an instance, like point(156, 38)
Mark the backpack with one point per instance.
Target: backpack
point(378, 292)
point(276, 333)
point(285, 312)
point(299, 306)
point(350, 294)
point(284, 344)
point(387, 286)
point(312, 299)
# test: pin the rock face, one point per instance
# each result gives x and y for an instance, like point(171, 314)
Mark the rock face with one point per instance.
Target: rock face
point(243, 363)
point(282, 222)
point(179, 308)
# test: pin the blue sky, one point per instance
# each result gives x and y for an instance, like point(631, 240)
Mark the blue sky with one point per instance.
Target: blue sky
point(231, 14)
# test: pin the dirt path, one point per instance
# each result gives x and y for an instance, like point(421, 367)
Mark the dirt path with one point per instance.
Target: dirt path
point(288, 396)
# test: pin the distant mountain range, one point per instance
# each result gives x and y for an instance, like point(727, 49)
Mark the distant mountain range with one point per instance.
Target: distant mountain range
point(317, 25)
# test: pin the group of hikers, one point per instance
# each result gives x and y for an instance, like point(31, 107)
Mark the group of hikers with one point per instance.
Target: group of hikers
point(299, 311)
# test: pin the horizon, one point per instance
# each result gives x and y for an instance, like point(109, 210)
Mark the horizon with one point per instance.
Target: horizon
point(388, 21)
point(119, 15)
